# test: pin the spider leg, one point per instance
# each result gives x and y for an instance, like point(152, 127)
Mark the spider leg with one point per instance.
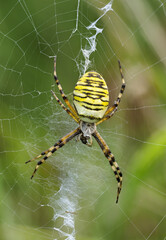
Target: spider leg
point(111, 160)
point(43, 153)
point(110, 112)
point(61, 91)
point(115, 105)
point(54, 148)
point(107, 117)
point(66, 109)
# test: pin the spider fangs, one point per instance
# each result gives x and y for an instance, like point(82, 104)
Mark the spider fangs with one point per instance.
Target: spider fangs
point(86, 135)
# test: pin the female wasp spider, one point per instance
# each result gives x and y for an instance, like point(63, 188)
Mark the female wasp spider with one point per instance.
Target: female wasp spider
point(91, 100)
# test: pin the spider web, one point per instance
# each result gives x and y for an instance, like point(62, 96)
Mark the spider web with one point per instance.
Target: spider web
point(72, 196)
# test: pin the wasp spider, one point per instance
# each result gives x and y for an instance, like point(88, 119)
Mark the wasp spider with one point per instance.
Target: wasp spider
point(91, 100)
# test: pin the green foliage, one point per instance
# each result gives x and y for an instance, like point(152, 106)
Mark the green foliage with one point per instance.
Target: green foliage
point(31, 34)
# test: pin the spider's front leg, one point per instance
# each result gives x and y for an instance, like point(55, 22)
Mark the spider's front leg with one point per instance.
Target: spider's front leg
point(111, 159)
point(54, 148)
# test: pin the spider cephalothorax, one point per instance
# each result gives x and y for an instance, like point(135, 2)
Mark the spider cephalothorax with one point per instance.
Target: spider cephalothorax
point(91, 100)
point(87, 129)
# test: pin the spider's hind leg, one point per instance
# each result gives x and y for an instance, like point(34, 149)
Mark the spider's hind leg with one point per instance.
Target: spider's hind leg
point(62, 92)
point(111, 110)
point(75, 117)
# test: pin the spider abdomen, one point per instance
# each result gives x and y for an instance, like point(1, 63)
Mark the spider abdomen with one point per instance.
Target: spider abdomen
point(91, 97)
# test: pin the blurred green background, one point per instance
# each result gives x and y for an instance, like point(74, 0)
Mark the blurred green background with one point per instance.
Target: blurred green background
point(31, 34)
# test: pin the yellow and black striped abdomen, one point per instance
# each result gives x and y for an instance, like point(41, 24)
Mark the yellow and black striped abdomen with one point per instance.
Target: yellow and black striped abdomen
point(91, 97)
